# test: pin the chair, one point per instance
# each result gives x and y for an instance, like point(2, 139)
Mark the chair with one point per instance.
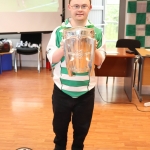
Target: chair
point(132, 44)
point(34, 39)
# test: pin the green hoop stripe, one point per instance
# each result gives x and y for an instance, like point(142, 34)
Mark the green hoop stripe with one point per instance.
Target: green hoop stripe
point(65, 71)
point(74, 83)
point(74, 94)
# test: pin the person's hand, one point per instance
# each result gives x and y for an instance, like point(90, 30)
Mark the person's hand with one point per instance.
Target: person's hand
point(96, 44)
point(61, 48)
point(62, 45)
point(59, 53)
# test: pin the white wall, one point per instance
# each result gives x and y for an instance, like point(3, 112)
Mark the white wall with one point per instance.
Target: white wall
point(67, 13)
point(122, 18)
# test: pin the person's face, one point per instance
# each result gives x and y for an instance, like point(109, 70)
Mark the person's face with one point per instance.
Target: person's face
point(79, 9)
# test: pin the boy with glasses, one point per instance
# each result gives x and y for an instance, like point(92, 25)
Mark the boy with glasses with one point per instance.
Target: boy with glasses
point(73, 100)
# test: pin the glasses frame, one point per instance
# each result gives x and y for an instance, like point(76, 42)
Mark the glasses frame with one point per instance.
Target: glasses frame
point(78, 7)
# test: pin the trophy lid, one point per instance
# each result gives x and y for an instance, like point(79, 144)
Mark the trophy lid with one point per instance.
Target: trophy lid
point(78, 31)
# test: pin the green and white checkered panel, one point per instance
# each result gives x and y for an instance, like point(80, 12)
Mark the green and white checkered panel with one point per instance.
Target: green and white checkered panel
point(138, 21)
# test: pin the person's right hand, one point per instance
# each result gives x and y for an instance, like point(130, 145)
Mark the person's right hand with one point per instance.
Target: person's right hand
point(62, 45)
point(59, 53)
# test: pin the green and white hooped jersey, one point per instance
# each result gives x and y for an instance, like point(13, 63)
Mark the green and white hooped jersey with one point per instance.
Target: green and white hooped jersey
point(80, 83)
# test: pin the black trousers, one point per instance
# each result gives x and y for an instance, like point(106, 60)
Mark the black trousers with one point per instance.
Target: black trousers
point(66, 109)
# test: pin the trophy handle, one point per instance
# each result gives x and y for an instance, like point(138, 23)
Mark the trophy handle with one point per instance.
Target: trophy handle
point(66, 45)
point(92, 59)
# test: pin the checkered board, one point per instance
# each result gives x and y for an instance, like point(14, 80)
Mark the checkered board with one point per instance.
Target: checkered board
point(138, 21)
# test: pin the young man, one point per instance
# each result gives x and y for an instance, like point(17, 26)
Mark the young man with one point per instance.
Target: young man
point(73, 97)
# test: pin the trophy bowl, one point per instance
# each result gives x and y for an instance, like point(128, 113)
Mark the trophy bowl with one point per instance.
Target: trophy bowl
point(79, 50)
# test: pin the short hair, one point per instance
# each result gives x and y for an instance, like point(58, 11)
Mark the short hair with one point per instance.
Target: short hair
point(89, 0)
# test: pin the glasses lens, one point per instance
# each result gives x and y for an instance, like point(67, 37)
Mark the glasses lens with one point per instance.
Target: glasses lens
point(84, 6)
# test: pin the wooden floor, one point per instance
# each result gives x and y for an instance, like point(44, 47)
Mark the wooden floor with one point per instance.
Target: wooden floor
point(26, 114)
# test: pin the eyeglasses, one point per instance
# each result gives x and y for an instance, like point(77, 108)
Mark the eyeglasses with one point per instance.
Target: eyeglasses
point(77, 7)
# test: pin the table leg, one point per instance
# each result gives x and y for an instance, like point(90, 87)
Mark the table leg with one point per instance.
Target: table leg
point(128, 80)
point(0, 64)
point(138, 88)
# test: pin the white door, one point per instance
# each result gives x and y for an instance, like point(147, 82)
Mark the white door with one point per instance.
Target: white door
point(97, 14)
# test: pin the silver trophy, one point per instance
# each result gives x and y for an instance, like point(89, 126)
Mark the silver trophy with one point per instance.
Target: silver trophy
point(79, 49)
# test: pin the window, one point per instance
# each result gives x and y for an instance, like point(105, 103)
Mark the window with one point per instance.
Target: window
point(105, 15)
point(111, 21)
